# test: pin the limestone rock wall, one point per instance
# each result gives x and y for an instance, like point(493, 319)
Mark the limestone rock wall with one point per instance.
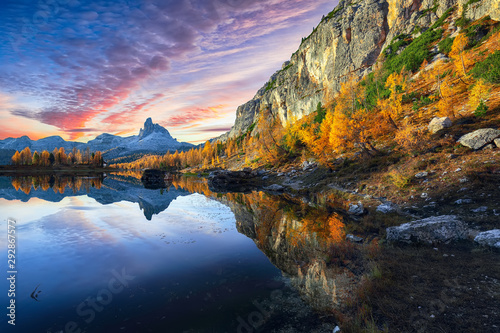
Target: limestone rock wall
point(347, 41)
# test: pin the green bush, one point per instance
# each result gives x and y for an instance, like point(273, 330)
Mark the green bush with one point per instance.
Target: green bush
point(320, 114)
point(375, 89)
point(488, 69)
point(424, 100)
point(445, 45)
point(414, 54)
point(416, 50)
point(270, 85)
point(481, 110)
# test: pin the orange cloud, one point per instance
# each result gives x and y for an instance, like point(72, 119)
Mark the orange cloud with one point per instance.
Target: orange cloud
point(193, 115)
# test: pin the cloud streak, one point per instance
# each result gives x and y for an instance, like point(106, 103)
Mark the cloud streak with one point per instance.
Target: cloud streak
point(107, 65)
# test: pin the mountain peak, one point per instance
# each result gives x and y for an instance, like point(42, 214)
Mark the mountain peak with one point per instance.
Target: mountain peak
point(150, 128)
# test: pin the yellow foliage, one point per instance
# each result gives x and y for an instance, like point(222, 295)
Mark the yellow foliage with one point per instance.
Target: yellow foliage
point(445, 105)
point(409, 136)
point(391, 108)
point(457, 54)
point(479, 93)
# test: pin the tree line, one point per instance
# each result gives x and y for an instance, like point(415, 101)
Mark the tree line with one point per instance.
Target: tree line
point(57, 157)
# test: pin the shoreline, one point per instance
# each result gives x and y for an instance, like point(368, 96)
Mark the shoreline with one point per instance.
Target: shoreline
point(27, 170)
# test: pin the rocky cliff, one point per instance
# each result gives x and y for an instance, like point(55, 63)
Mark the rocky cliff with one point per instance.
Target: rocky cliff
point(348, 40)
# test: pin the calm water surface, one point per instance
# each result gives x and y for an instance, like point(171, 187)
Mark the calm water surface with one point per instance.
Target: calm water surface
point(112, 256)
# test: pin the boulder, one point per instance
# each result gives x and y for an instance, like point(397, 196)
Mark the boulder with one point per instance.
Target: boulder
point(497, 142)
point(489, 238)
point(436, 229)
point(309, 164)
point(356, 209)
point(438, 124)
point(479, 138)
point(354, 239)
point(233, 181)
point(422, 174)
point(386, 208)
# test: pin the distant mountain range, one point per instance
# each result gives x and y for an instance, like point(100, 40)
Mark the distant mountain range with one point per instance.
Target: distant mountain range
point(152, 139)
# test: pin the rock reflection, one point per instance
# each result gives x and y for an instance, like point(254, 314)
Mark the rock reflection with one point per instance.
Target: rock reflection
point(307, 242)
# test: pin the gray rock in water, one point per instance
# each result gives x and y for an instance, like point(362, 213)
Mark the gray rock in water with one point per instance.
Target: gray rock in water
point(438, 124)
point(436, 229)
point(274, 187)
point(479, 138)
point(489, 238)
point(356, 209)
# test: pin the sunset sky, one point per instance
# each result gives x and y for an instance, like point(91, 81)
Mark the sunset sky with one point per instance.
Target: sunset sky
point(80, 68)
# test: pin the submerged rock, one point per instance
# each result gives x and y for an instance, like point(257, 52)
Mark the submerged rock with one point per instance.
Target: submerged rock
point(274, 188)
point(489, 238)
point(436, 229)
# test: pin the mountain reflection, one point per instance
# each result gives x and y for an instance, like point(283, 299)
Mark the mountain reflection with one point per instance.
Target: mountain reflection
point(305, 240)
point(105, 190)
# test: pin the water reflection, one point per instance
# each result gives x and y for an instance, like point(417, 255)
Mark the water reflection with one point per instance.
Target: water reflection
point(305, 240)
point(104, 189)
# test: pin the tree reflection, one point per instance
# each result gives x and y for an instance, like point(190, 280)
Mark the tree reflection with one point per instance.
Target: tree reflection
point(305, 240)
point(58, 183)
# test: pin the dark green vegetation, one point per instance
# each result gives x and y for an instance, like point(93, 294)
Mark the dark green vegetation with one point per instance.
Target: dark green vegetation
point(414, 54)
point(416, 50)
point(320, 113)
point(270, 85)
point(488, 69)
point(445, 45)
point(423, 101)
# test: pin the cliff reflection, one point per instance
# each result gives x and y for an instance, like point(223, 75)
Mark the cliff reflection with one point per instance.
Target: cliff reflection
point(306, 241)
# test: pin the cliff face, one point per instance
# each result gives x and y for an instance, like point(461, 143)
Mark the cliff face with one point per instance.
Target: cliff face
point(347, 41)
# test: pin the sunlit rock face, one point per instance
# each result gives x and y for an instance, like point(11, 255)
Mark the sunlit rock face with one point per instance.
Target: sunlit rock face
point(346, 42)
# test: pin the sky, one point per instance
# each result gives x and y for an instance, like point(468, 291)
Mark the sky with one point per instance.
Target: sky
point(79, 68)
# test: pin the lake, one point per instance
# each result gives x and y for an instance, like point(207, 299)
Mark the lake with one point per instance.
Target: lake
point(106, 254)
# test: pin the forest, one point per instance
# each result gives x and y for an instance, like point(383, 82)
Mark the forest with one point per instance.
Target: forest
point(57, 157)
